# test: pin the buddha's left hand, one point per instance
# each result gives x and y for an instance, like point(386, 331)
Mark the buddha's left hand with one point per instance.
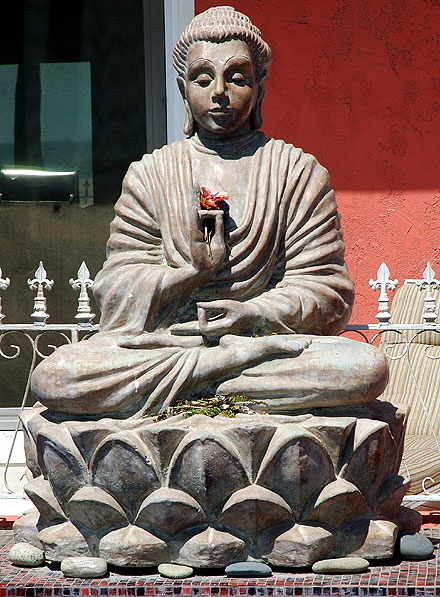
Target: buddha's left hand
point(227, 317)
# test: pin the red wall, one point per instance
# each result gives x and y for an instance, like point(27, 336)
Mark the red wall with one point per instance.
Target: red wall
point(357, 83)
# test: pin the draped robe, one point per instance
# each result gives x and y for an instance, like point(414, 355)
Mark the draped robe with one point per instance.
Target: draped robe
point(285, 258)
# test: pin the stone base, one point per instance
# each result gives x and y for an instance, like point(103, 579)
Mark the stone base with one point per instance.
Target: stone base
point(206, 492)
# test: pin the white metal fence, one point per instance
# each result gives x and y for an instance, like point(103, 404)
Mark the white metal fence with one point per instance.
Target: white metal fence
point(44, 337)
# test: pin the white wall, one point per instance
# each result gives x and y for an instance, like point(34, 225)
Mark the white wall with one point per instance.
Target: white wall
point(178, 14)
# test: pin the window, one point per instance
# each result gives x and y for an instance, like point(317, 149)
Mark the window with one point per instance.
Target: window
point(83, 95)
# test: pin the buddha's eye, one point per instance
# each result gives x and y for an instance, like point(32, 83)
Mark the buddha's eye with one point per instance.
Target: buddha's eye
point(202, 79)
point(238, 78)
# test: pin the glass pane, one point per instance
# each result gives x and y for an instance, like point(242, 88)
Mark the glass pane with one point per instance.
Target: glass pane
point(8, 79)
point(66, 122)
point(61, 140)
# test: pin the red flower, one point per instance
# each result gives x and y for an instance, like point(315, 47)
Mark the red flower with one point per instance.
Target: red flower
point(210, 200)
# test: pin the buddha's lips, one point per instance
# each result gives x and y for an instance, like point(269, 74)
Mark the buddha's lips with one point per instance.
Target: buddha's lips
point(220, 112)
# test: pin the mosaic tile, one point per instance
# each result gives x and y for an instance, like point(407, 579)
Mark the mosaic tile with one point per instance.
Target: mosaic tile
point(405, 579)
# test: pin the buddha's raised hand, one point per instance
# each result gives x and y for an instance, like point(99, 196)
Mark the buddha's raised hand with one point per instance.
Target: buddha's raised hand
point(207, 252)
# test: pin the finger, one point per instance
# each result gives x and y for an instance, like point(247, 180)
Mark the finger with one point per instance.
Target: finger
point(221, 306)
point(195, 224)
point(189, 327)
point(201, 316)
point(220, 225)
point(217, 327)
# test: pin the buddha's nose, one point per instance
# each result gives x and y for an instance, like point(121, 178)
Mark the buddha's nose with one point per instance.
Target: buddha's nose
point(220, 91)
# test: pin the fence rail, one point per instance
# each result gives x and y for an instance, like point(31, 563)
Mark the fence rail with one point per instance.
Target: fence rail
point(43, 337)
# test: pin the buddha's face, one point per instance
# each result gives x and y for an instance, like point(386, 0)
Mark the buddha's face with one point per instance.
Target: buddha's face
point(220, 85)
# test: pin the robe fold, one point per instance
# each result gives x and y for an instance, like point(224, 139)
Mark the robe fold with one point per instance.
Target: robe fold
point(287, 255)
point(285, 258)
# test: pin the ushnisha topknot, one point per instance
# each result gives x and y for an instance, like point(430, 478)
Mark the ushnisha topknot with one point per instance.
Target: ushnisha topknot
point(219, 24)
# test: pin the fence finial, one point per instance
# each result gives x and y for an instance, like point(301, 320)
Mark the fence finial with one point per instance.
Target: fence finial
point(382, 283)
point(39, 283)
point(429, 283)
point(4, 284)
point(84, 313)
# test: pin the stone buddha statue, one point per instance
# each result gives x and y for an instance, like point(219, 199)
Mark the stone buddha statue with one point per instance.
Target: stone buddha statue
point(225, 274)
point(252, 308)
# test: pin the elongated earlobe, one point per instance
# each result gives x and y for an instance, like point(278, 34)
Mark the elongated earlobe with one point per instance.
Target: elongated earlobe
point(256, 117)
point(188, 128)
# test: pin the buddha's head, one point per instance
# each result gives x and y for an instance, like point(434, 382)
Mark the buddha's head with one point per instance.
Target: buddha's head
point(222, 62)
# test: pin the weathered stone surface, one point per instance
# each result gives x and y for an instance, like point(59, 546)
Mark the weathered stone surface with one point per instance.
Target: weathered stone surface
point(380, 542)
point(169, 510)
point(414, 546)
point(370, 539)
point(40, 492)
point(175, 570)
point(133, 546)
point(333, 432)
point(96, 509)
point(338, 502)
point(340, 566)
point(212, 549)
point(63, 541)
point(26, 529)
point(372, 460)
point(84, 567)
point(248, 570)
point(300, 546)
point(123, 466)
point(252, 475)
point(254, 509)
point(296, 465)
point(24, 554)
point(408, 520)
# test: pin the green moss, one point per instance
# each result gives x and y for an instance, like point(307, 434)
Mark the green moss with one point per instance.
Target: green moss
point(218, 405)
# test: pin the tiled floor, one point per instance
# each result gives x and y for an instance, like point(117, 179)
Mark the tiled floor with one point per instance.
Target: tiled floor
point(392, 578)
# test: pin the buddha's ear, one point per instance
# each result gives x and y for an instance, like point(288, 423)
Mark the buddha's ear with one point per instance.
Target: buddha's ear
point(188, 128)
point(181, 83)
point(256, 116)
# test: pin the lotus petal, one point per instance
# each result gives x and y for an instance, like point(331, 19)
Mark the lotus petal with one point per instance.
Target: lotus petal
point(88, 437)
point(251, 437)
point(123, 467)
point(372, 460)
point(301, 545)
point(26, 528)
point(40, 492)
point(370, 539)
point(338, 502)
point(133, 546)
point(63, 541)
point(163, 438)
point(95, 509)
point(208, 468)
point(169, 510)
point(27, 416)
point(30, 450)
point(212, 549)
point(254, 509)
point(61, 462)
point(390, 496)
point(333, 432)
point(295, 466)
